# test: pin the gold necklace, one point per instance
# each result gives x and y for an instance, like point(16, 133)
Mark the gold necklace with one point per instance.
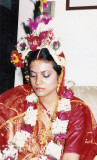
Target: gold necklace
point(44, 133)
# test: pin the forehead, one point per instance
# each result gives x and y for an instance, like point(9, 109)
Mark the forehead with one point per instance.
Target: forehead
point(41, 65)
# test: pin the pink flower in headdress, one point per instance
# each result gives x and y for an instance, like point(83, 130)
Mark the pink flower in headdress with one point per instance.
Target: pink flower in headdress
point(56, 45)
point(46, 18)
point(29, 38)
point(16, 59)
point(32, 24)
point(9, 158)
point(38, 19)
point(43, 35)
point(22, 46)
point(47, 37)
point(37, 40)
point(45, 5)
point(35, 43)
point(33, 47)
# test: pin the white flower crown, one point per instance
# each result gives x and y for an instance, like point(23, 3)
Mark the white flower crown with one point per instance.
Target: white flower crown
point(42, 36)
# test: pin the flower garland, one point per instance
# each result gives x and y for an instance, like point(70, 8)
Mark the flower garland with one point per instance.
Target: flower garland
point(59, 128)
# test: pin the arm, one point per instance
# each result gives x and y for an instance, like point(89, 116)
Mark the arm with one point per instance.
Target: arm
point(76, 133)
point(69, 156)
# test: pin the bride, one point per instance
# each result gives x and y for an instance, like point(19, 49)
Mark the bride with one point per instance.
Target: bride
point(43, 119)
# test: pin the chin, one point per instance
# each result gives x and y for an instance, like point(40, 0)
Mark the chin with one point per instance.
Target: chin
point(39, 94)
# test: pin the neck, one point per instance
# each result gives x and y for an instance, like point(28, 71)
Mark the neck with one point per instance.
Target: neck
point(49, 100)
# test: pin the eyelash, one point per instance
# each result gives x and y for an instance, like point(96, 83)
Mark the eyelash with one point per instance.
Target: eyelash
point(32, 76)
point(42, 75)
point(46, 76)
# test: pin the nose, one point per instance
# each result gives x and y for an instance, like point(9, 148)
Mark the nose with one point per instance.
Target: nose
point(38, 80)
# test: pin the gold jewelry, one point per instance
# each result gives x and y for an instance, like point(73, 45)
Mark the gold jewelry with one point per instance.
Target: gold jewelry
point(26, 71)
point(27, 78)
point(36, 61)
point(45, 132)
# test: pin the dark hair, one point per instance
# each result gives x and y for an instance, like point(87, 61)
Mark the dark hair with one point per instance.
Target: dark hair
point(43, 54)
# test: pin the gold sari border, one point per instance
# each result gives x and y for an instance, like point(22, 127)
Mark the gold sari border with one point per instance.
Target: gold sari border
point(20, 115)
point(9, 108)
point(24, 89)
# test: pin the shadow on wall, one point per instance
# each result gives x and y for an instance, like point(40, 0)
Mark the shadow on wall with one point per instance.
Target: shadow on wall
point(8, 39)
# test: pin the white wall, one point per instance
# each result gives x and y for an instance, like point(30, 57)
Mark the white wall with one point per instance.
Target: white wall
point(78, 31)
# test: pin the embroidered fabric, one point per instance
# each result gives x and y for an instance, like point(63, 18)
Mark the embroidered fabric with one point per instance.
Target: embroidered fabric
point(81, 132)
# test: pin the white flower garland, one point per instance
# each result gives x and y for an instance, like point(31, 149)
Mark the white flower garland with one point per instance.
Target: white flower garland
point(53, 150)
point(11, 151)
point(42, 157)
point(32, 98)
point(58, 127)
point(19, 138)
point(64, 105)
point(31, 116)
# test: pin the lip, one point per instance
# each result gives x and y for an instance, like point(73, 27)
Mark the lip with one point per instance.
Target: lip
point(39, 88)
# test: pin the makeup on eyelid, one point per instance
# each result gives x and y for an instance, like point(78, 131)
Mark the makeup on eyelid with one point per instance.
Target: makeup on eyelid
point(32, 74)
point(44, 74)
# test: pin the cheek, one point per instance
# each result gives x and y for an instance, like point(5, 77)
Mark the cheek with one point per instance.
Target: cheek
point(52, 82)
point(32, 81)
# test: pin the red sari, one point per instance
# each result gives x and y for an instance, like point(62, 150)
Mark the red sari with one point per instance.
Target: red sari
point(81, 131)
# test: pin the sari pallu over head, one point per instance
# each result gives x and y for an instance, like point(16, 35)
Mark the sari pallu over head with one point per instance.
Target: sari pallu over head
point(12, 109)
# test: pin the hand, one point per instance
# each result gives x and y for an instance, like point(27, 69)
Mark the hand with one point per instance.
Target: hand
point(69, 156)
point(34, 158)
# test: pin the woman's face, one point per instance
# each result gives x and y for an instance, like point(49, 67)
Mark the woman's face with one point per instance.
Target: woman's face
point(43, 78)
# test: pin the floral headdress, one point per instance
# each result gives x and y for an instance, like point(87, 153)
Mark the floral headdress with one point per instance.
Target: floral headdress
point(42, 36)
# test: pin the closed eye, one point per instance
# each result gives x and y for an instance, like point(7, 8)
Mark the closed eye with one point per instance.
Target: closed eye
point(46, 74)
point(33, 74)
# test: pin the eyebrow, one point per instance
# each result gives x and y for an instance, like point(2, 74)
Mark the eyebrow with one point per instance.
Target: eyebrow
point(41, 72)
point(32, 71)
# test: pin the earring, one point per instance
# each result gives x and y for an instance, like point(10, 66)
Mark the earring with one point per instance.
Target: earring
point(27, 78)
point(36, 61)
